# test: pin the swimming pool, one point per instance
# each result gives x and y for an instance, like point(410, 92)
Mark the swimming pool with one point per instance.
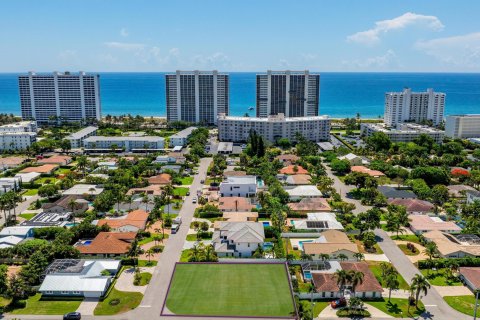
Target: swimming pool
point(69, 225)
point(266, 223)
point(267, 245)
point(86, 242)
point(307, 275)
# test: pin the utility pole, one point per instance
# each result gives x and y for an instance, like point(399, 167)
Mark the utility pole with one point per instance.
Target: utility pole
point(476, 304)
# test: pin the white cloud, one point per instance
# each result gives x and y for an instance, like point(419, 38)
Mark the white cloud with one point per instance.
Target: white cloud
point(378, 62)
point(217, 60)
point(124, 32)
point(372, 36)
point(463, 50)
point(125, 46)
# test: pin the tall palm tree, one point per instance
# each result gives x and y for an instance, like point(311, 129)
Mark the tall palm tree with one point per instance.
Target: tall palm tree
point(342, 277)
point(342, 257)
point(430, 250)
point(359, 256)
point(72, 204)
point(392, 283)
point(324, 256)
point(419, 284)
point(149, 254)
point(355, 278)
point(82, 163)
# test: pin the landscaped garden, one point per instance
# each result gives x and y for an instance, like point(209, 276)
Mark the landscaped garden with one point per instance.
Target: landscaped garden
point(441, 277)
point(464, 304)
point(31, 192)
point(376, 269)
point(230, 290)
point(409, 249)
point(48, 306)
point(118, 302)
point(398, 308)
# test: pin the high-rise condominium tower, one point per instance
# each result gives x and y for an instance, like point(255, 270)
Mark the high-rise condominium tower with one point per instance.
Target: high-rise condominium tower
point(292, 93)
point(197, 96)
point(408, 106)
point(60, 97)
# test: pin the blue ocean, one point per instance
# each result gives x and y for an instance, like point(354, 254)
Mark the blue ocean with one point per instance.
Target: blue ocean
point(341, 94)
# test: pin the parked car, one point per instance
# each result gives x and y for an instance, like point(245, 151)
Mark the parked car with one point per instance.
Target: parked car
point(202, 181)
point(72, 316)
point(338, 303)
point(194, 200)
point(188, 193)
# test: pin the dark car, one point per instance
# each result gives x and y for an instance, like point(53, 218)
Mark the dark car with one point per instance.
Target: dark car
point(338, 303)
point(188, 193)
point(72, 316)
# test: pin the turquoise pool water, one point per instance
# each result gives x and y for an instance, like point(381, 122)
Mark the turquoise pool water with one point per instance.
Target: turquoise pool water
point(307, 275)
point(267, 245)
point(266, 223)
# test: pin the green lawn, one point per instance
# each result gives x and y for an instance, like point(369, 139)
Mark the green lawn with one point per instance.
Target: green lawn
point(185, 255)
point(180, 191)
point(187, 180)
point(407, 251)
point(397, 307)
point(407, 237)
point(62, 171)
point(230, 290)
point(46, 180)
point(27, 216)
point(438, 278)
point(31, 192)
point(150, 239)
point(145, 279)
point(374, 266)
point(193, 237)
point(4, 301)
point(48, 306)
point(118, 302)
point(319, 306)
point(463, 304)
point(146, 263)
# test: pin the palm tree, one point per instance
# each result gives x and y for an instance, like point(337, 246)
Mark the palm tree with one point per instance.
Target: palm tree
point(342, 277)
point(355, 278)
point(342, 257)
point(149, 253)
point(82, 163)
point(391, 283)
point(324, 256)
point(72, 204)
point(359, 256)
point(305, 257)
point(145, 200)
point(419, 284)
point(430, 250)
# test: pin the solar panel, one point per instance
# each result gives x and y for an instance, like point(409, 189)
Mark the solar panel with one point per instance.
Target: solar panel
point(317, 224)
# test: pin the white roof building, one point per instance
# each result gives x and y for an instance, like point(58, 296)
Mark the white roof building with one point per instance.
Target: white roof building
point(18, 231)
point(239, 186)
point(69, 277)
point(80, 189)
point(28, 176)
point(318, 221)
point(10, 241)
point(300, 192)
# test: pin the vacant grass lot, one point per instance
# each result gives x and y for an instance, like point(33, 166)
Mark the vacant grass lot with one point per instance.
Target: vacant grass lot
point(230, 290)
point(36, 305)
point(464, 304)
point(180, 191)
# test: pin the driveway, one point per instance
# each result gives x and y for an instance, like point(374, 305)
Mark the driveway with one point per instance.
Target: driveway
point(125, 281)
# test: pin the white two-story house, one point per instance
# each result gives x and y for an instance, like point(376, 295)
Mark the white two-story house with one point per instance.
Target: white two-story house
point(239, 186)
point(238, 239)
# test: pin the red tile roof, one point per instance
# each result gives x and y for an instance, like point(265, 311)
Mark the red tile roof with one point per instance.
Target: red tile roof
point(109, 243)
point(413, 205)
point(235, 204)
point(370, 172)
point(472, 274)
point(310, 204)
point(61, 160)
point(163, 178)
point(291, 170)
point(46, 168)
point(137, 218)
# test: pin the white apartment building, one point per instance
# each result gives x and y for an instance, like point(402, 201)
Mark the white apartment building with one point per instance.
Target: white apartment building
point(76, 139)
point(292, 93)
point(238, 129)
point(408, 106)
point(196, 96)
point(239, 186)
point(128, 144)
point(404, 132)
point(179, 139)
point(22, 126)
point(17, 140)
point(462, 126)
point(61, 96)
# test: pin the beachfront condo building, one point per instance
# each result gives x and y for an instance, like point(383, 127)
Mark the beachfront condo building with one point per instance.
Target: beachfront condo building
point(292, 93)
point(197, 96)
point(404, 132)
point(463, 126)
point(18, 135)
point(274, 127)
point(408, 106)
point(60, 97)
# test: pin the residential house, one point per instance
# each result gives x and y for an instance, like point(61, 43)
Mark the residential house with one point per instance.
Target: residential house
point(293, 169)
point(454, 245)
point(9, 184)
point(28, 177)
point(9, 241)
point(83, 189)
point(235, 204)
point(174, 168)
point(236, 217)
point(107, 245)
point(310, 205)
point(178, 156)
point(471, 277)
point(473, 195)
point(414, 206)
point(317, 222)
point(300, 192)
point(165, 159)
point(11, 162)
point(370, 172)
point(49, 219)
point(298, 180)
point(326, 286)
point(56, 159)
point(63, 205)
point(331, 242)
point(11, 236)
point(420, 224)
point(353, 159)
point(459, 190)
point(244, 186)
point(287, 159)
point(46, 169)
point(234, 173)
point(78, 278)
point(238, 239)
point(396, 193)
point(132, 222)
point(160, 179)
point(153, 189)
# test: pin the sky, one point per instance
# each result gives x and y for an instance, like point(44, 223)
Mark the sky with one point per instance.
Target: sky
point(247, 35)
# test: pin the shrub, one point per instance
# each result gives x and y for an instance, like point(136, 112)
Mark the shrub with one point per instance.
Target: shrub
point(350, 313)
point(114, 302)
point(445, 262)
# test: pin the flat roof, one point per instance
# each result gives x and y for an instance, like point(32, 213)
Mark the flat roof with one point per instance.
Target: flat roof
point(122, 138)
point(184, 133)
point(81, 133)
point(274, 119)
point(225, 146)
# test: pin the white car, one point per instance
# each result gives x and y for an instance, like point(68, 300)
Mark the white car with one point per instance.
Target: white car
point(194, 200)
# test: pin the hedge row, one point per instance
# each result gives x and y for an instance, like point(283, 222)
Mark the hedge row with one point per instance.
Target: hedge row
point(446, 262)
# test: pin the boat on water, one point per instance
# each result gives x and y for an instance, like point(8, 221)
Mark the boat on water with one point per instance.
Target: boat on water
point(251, 108)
